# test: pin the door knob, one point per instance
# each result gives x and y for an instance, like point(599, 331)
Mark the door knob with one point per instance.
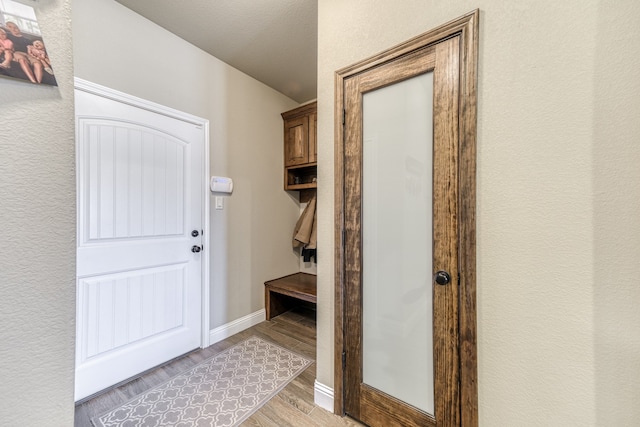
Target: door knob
point(195, 249)
point(195, 233)
point(442, 278)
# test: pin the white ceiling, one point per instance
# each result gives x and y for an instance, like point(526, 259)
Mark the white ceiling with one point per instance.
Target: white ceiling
point(273, 41)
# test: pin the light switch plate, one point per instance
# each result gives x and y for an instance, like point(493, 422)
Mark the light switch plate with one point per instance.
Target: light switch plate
point(219, 203)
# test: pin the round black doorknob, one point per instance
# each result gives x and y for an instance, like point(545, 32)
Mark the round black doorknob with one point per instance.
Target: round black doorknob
point(195, 233)
point(195, 249)
point(442, 278)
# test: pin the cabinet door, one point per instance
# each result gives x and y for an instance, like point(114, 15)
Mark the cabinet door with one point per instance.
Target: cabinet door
point(296, 133)
point(313, 147)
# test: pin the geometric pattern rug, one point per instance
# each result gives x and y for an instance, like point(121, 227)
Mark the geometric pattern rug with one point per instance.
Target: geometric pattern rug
point(223, 390)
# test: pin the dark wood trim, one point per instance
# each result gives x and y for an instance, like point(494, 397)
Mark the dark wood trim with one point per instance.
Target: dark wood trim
point(443, 32)
point(338, 379)
point(352, 296)
point(467, 220)
point(445, 230)
point(302, 110)
point(467, 27)
point(378, 408)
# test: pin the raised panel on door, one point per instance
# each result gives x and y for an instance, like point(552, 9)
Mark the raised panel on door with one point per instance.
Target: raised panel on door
point(122, 309)
point(297, 141)
point(135, 183)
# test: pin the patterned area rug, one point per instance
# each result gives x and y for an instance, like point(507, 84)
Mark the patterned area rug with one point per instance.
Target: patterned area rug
point(224, 390)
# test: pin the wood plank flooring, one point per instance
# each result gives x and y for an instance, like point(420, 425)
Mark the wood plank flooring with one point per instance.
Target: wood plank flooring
point(293, 406)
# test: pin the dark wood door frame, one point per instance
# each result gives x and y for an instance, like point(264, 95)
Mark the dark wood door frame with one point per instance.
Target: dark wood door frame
point(467, 28)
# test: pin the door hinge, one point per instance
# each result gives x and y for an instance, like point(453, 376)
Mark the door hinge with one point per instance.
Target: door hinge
point(344, 360)
point(344, 116)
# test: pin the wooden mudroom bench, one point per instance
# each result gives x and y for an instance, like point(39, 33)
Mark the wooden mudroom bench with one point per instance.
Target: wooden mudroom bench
point(284, 293)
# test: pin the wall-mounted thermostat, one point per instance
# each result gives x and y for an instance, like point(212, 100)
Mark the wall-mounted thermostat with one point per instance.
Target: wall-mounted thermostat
point(221, 184)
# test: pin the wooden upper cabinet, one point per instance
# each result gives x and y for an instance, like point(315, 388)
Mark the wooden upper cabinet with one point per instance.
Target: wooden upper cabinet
point(300, 135)
point(296, 141)
point(300, 147)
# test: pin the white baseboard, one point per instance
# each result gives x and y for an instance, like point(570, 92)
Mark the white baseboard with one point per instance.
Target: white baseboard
point(323, 396)
point(238, 325)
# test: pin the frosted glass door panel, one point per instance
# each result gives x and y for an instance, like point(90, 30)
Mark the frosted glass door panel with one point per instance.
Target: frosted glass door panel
point(397, 241)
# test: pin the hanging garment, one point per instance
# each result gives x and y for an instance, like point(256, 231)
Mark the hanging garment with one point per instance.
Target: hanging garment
point(305, 232)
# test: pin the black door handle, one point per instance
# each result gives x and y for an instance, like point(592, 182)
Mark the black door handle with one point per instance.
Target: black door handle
point(195, 249)
point(442, 278)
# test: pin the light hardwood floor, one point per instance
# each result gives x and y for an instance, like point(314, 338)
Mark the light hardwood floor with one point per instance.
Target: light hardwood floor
point(293, 406)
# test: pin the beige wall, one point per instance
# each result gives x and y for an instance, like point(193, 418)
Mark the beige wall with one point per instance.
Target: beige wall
point(558, 198)
point(251, 237)
point(37, 235)
point(558, 194)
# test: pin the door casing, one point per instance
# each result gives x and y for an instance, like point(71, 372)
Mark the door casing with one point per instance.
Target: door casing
point(466, 27)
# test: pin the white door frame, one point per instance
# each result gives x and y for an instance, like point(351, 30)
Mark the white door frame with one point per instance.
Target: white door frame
point(124, 98)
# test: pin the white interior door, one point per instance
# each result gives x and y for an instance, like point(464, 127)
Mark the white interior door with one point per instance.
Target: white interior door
point(140, 205)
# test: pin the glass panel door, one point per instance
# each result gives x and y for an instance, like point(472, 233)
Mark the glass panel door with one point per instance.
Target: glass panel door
point(397, 224)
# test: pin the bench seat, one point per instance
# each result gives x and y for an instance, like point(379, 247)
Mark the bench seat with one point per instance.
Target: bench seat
point(280, 294)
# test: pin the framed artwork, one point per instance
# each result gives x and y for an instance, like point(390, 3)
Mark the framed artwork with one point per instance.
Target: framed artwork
point(23, 52)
